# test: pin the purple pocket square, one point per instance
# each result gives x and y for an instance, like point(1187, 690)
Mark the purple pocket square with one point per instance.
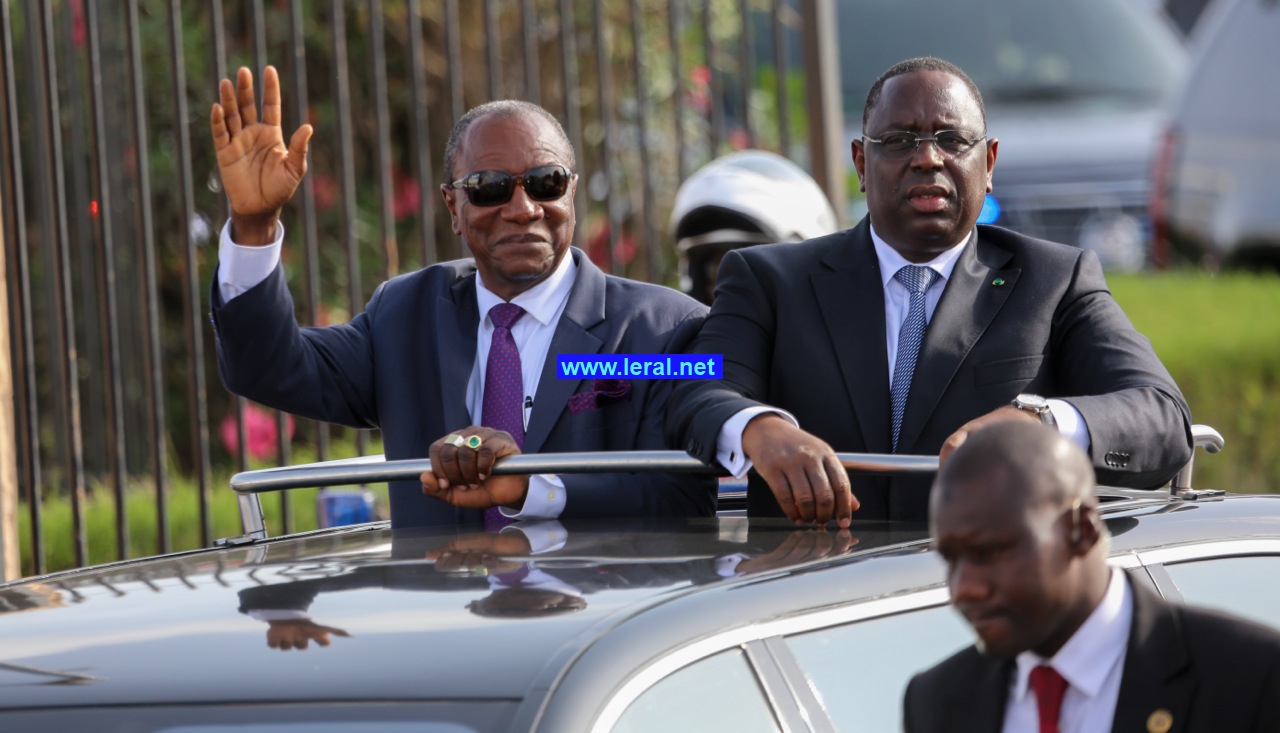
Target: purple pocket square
point(603, 392)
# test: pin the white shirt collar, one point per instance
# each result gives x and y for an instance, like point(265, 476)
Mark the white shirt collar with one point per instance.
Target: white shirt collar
point(1096, 647)
point(891, 261)
point(542, 301)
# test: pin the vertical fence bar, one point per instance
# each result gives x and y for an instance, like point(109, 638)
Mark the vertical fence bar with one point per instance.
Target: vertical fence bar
point(529, 24)
point(453, 47)
point(492, 42)
point(382, 142)
point(746, 66)
point(715, 96)
point(606, 122)
point(780, 68)
point(342, 109)
point(677, 73)
point(421, 139)
point(151, 292)
point(110, 311)
point(192, 297)
point(10, 555)
point(572, 102)
point(307, 200)
point(822, 87)
point(28, 403)
point(49, 133)
point(653, 259)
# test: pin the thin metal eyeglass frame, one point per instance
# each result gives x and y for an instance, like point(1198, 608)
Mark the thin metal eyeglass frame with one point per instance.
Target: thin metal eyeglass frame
point(933, 139)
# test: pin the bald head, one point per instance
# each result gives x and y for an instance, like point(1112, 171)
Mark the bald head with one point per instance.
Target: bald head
point(1014, 516)
point(1038, 467)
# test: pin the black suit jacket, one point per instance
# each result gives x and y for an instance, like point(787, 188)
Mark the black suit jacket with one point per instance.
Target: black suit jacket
point(403, 364)
point(1211, 672)
point(802, 327)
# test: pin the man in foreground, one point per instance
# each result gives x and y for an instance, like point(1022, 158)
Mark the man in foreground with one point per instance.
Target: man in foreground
point(456, 361)
point(1065, 642)
point(907, 332)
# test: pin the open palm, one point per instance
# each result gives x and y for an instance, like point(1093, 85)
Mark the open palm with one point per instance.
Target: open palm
point(259, 174)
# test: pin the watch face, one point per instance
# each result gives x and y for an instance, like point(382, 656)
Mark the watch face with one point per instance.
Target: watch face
point(1034, 401)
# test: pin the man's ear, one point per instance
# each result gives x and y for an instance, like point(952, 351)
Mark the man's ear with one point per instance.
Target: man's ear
point(450, 196)
point(1086, 528)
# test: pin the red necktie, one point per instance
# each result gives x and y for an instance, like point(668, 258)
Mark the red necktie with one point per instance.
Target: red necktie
point(1049, 687)
point(503, 389)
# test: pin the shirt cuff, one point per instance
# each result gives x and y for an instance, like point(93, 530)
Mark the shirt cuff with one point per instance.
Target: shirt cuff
point(543, 535)
point(277, 614)
point(1070, 423)
point(729, 442)
point(544, 500)
point(241, 267)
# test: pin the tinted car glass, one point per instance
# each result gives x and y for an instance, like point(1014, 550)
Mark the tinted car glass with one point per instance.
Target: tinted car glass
point(1015, 50)
point(1244, 586)
point(719, 693)
point(857, 667)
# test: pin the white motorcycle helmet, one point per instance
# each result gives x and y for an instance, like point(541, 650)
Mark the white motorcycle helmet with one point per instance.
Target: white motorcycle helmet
point(737, 200)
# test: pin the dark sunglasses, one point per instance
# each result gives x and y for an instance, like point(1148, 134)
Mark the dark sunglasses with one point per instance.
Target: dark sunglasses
point(494, 188)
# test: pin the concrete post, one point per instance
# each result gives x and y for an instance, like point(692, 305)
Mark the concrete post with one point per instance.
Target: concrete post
point(10, 566)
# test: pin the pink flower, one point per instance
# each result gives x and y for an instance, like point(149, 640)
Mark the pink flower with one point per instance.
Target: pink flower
point(260, 431)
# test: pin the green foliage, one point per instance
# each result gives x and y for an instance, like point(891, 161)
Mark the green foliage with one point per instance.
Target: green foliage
point(1220, 338)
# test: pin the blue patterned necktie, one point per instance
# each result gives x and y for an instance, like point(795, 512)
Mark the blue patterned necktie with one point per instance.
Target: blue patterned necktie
point(503, 389)
point(917, 280)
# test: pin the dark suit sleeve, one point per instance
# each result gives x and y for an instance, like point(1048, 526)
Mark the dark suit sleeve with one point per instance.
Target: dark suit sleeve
point(1139, 424)
point(320, 373)
point(741, 327)
point(647, 494)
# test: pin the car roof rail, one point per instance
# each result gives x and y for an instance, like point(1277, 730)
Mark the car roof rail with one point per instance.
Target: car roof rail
point(375, 469)
point(1202, 436)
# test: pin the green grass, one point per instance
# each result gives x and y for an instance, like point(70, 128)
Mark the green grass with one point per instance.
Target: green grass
point(1219, 335)
point(184, 515)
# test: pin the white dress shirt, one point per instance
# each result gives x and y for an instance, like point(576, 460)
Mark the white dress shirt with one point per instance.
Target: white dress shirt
point(1092, 662)
point(241, 268)
point(897, 302)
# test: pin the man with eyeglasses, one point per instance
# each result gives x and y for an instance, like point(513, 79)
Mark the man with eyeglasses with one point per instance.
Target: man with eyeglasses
point(456, 361)
point(916, 327)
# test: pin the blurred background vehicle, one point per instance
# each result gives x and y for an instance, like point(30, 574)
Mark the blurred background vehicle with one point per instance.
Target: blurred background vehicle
point(1073, 90)
point(1213, 193)
point(737, 200)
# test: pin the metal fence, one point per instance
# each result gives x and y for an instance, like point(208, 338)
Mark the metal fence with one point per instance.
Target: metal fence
point(110, 203)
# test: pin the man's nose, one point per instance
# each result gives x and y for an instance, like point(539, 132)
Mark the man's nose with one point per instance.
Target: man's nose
point(927, 154)
point(521, 207)
point(967, 582)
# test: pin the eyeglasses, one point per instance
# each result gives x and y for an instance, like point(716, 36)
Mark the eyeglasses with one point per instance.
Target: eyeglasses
point(905, 144)
point(494, 188)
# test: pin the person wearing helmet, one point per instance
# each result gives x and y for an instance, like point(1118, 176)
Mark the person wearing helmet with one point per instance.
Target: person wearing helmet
point(737, 200)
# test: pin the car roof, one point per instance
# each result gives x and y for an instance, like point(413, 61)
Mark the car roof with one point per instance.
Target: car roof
point(191, 628)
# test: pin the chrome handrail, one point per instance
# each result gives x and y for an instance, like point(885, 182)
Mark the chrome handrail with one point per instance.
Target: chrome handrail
point(1202, 436)
point(373, 469)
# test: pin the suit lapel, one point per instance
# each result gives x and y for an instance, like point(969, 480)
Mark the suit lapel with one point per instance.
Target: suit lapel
point(850, 295)
point(456, 323)
point(1156, 672)
point(583, 311)
point(978, 288)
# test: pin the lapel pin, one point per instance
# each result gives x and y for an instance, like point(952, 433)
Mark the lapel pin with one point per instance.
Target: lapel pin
point(998, 282)
point(1160, 721)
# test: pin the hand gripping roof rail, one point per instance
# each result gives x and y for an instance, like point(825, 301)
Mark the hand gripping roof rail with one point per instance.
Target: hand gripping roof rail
point(374, 469)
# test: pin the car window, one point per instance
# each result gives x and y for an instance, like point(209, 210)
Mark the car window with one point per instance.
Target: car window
point(1016, 51)
point(861, 670)
point(719, 693)
point(1245, 586)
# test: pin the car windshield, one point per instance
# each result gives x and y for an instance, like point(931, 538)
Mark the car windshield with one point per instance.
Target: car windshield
point(1017, 51)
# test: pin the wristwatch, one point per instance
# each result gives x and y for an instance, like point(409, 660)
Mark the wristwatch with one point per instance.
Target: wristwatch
point(1036, 405)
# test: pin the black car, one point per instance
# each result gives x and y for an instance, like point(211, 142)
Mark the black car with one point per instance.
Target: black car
point(1213, 194)
point(722, 623)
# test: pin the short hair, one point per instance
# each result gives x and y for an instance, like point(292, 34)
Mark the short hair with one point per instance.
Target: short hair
point(921, 63)
point(1030, 456)
point(501, 108)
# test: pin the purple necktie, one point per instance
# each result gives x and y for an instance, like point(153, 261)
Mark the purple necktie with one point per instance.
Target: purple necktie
point(503, 389)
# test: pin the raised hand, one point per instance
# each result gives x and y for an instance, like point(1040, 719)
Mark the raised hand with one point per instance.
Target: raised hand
point(259, 174)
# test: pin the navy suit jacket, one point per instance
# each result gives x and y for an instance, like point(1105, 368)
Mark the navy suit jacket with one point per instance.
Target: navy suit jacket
point(802, 328)
point(403, 364)
point(1209, 671)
